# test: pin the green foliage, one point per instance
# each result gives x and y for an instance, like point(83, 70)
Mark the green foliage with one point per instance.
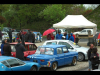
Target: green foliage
point(94, 16)
point(53, 13)
point(1, 27)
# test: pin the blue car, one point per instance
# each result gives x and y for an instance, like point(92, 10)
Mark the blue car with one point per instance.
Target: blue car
point(8, 63)
point(53, 56)
point(38, 36)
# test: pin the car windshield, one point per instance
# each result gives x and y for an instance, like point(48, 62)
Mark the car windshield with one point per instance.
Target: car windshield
point(74, 44)
point(43, 50)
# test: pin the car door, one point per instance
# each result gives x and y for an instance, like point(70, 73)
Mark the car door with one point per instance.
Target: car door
point(67, 56)
point(70, 48)
point(17, 65)
point(60, 56)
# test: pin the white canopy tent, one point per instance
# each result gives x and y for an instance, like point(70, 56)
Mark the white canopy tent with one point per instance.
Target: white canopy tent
point(75, 21)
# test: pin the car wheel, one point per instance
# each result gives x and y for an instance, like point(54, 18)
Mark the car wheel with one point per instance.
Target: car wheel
point(74, 61)
point(54, 66)
point(33, 68)
point(80, 56)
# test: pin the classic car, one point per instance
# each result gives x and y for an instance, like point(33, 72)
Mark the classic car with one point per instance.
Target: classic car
point(82, 51)
point(38, 36)
point(8, 63)
point(30, 49)
point(53, 56)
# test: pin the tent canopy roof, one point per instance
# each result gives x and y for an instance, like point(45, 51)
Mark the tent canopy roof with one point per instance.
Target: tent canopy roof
point(74, 21)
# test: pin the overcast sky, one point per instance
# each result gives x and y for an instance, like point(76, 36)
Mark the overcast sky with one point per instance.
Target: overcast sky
point(90, 5)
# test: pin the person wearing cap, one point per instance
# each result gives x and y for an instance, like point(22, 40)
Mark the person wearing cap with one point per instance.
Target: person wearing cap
point(19, 50)
point(59, 35)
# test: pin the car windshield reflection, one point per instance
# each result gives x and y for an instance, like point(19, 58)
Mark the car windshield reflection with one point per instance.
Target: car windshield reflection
point(74, 44)
point(42, 50)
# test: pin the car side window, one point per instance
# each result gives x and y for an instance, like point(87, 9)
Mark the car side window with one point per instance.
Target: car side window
point(13, 62)
point(65, 50)
point(20, 62)
point(48, 43)
point(65, 43)
point(5, 63)
point(83, 30)
point(59, 50)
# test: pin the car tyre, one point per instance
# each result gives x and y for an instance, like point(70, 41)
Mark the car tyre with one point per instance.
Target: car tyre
point(33, 68)
point(80, 57)
point(54, 66)
point(74, 61)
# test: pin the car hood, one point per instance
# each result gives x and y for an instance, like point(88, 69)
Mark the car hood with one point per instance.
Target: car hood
point(83, 49)
point(40, 56)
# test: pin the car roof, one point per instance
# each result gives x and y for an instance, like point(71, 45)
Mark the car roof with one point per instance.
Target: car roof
point(52, 46)
point(2, 58)
point(26, 43)
point(87, 29)
point(57, 40)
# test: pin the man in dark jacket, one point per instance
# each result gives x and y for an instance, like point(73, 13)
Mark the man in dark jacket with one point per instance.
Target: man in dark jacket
point(10, 35)
point(6, 49)
point(89, 55)
point(95, 59)
point(30, 36)
point(26, 37)
point(33, 41)
point(19, 50)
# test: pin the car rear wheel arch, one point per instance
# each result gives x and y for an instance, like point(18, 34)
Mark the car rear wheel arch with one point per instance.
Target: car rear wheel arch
point(52, 65)
point(34, 67)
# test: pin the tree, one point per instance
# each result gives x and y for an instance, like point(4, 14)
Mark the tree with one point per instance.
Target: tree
point(53, 13)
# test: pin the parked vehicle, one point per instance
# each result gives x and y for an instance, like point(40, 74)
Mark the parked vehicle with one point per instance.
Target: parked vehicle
point(8, 63)
point(6, 29)
point(38, 36)
point(53, 56)
point(30, 49)
point(82, 51)
point(5, 35)
point(84, 32)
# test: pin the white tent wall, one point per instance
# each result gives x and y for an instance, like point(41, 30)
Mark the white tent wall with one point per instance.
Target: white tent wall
point(75, 21)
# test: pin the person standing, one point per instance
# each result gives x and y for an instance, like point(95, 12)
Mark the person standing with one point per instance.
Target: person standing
point(71, 37)
point(2, 53)
point(49, 37)
point(6, 48)
point(59, 35)
point(0, 35)
point(33, 40)
point(30, 36)
point(10, 35)
point(94, 59)
point(89, 55)
point(52, 36)
point(19, 50)
point(26, 37)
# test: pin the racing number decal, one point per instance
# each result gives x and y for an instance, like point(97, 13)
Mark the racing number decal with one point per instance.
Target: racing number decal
point(48, 64)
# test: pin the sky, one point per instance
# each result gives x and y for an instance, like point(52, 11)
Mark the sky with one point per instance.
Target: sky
point(91, 5)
